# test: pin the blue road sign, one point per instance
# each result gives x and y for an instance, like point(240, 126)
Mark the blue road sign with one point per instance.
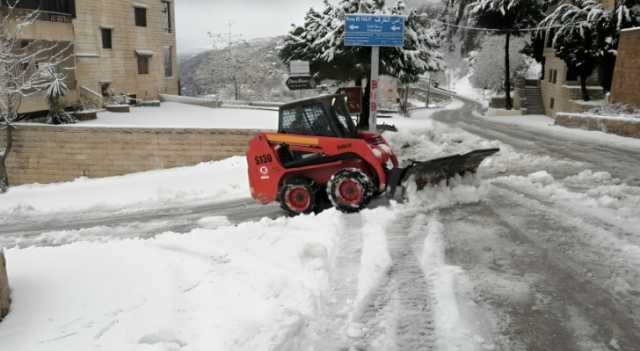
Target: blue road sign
point(374, 30)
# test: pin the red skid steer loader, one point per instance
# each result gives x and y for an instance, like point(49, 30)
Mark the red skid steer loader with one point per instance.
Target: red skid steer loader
point(318, 157)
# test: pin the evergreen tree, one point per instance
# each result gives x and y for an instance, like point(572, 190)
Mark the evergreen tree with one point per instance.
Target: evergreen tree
point(508, 18)
point(320, 40)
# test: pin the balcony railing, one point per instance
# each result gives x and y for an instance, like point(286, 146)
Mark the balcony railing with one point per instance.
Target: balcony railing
point(53, 10)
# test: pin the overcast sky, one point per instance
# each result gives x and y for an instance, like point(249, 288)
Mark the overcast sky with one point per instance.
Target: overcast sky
point(250, 18)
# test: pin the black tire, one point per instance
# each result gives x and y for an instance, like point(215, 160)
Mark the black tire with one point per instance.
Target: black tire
point(350, 190)
point(297, 196)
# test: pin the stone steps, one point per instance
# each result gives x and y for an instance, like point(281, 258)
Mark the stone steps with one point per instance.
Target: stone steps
point(532, 98)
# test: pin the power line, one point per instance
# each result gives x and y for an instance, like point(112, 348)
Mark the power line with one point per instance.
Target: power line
point(536, 29)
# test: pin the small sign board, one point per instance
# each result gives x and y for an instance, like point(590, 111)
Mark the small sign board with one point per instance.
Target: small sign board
point(354, 98)
point(299, 69)
point(374, 30)
point(300, 83)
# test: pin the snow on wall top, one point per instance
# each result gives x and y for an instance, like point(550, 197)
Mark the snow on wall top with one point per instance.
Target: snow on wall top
point(630, 29)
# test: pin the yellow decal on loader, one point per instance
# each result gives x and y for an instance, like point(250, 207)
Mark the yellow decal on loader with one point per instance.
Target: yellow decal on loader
point(292, 139)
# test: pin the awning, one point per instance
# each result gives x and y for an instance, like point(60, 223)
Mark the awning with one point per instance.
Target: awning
point(141, 52)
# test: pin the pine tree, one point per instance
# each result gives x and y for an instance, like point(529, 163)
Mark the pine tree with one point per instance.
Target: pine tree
point(508, 18)
point(320, 40)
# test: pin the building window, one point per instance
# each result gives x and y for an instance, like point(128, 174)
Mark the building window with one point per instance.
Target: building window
point(552, 103)
point(143, 64)
point(168, 62)
point(106, 38)
point(555, 76)
point(141, 16)
point(550, 76)
point(166, 16)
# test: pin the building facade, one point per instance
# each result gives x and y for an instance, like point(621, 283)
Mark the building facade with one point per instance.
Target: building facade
point(120, 47)
point(560, 88)
point(626, 76)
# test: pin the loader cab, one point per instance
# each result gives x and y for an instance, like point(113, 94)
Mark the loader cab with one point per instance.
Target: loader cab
point(321, 116)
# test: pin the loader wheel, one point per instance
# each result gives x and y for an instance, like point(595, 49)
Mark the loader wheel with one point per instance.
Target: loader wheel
point(350, 190)
point(297, 196)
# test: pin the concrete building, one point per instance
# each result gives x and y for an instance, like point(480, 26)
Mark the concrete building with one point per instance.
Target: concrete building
point(561, 90)
point(119, 47)
point(560, 87)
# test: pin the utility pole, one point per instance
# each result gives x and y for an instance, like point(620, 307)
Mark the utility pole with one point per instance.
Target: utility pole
point(429, 91)
point(227, 41)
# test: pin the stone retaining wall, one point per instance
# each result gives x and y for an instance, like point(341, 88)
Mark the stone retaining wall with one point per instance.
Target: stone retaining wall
point(48, 154)
point(5, 300)
point(626, 76)
point(619, 126)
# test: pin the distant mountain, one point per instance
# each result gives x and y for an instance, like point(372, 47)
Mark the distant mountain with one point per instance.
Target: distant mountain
point(255, 65)
point(184, 55)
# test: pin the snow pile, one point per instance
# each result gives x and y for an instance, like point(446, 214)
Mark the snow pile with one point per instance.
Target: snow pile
point(459, 191)
point(177, 115)
point(598, 195)
point(423, 139)
point(464, 88)
point(230, 288)
point(219, 180)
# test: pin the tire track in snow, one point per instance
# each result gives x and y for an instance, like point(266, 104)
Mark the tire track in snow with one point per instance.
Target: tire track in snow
point(551, 289)
point(421, 302)
point(397, 314)
point(326, 329)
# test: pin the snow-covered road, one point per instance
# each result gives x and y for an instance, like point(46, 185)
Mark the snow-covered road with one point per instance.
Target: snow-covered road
point(541, 251)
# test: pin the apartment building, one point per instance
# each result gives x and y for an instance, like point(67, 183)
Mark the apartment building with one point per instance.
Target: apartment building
point(119, 47)
point(560, 87)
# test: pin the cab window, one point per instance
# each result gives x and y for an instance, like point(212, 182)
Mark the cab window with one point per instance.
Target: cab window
point(345, 123)
point(308, 120)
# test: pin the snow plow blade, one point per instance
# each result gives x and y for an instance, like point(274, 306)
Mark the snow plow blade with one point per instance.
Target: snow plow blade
point(434, 171)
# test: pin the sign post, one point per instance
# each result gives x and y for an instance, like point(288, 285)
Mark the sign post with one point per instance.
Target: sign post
point(299, 76)
point(375, 31)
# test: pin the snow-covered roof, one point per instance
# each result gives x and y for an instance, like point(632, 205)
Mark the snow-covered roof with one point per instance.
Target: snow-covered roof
point(144, 52)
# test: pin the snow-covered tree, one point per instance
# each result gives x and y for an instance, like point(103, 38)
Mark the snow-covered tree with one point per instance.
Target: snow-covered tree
point(489, 75)
point(24, 71)
point(56, 91)
point(508, 18)
point(585, 34)
point(320, 40)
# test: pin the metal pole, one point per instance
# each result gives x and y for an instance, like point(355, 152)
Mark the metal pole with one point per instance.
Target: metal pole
point(373, 104)
point(429, 92)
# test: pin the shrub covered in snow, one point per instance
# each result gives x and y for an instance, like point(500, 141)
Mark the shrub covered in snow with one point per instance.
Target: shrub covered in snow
point(487, 73)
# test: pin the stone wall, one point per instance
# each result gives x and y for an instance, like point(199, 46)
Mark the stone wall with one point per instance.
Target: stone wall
point(619, 126)
point(5, 299)
point(626, 77)
point(48, 154)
